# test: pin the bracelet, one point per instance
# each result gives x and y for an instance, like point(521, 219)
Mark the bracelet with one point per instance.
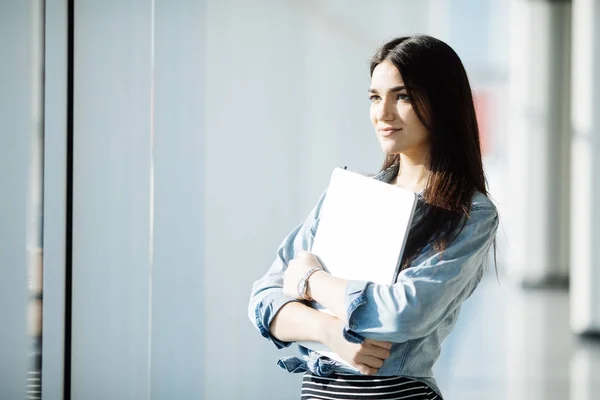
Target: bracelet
point(303, 284)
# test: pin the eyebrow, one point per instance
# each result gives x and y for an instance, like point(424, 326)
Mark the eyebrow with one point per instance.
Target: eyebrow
point(391, 90)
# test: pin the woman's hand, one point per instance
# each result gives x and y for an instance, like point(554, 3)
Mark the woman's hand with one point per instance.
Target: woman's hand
point(300, 265)
point(367, 357)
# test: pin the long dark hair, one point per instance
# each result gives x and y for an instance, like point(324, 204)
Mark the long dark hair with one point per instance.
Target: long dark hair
point(440, 94)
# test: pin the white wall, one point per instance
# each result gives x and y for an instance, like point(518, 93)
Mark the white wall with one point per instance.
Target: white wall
point(538, 142)
point(20, 186)
point(585, 169)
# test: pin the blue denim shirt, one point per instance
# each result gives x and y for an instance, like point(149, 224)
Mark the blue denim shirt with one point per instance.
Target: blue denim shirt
point(416, 313)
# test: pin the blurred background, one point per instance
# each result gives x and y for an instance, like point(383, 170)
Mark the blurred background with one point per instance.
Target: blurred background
point(154, 153)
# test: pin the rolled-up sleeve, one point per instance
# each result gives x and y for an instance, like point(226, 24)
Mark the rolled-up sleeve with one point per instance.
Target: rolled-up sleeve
point(267, 298)
point(427, 292)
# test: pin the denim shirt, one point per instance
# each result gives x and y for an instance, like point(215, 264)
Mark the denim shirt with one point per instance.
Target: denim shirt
point(416, 313)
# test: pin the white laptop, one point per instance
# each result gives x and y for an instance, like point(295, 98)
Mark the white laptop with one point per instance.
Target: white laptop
point(363, 226)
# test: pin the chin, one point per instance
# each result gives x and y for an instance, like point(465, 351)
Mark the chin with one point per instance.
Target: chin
point(390, 150)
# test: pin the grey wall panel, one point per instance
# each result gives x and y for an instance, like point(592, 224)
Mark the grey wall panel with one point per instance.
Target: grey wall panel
point(178, 320)
point(20, 140)
point(111, 201)
point(255, 116)
point(538, 142)
point(55, 168)
point(585, 168)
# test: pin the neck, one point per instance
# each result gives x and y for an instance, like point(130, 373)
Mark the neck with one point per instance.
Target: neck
point(413, 171)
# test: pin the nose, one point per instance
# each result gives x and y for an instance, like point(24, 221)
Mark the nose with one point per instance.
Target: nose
point(386, 111)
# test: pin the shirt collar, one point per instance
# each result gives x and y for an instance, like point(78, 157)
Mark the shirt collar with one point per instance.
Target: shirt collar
point(388, 174)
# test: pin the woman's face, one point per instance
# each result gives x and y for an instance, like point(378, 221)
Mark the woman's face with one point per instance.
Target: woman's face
point(397, 126)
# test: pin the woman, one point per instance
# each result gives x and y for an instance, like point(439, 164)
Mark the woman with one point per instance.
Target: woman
point(423, 114)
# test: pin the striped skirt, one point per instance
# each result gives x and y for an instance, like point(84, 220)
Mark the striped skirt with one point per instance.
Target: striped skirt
point(354, 387)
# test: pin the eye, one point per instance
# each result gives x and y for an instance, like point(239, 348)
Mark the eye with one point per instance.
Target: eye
point(403, 97)
point(374, 97)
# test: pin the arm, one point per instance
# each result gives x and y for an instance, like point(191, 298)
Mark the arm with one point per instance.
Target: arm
point(427, 293)
point(298, 322)
point(330, 291)
point(283, 319)
point(423, 296)
point(267, 297)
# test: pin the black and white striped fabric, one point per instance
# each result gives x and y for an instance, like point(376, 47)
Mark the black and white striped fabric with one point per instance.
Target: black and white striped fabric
point(354, 387)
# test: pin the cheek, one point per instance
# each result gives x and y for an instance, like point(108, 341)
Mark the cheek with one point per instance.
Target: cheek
point(406, 112)
point(422, 132)
point(373, 115)
point(410, 118)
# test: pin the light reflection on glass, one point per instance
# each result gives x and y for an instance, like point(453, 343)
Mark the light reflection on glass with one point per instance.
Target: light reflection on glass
point(35, 204)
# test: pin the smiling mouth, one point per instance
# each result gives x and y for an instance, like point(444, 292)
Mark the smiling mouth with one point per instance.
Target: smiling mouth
point(389, 132)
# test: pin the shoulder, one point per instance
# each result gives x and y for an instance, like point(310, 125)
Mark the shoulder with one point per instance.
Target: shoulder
point(483, 215)
point(481, 202)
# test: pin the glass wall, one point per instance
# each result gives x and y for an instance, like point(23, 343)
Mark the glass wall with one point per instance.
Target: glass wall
point(21, 187)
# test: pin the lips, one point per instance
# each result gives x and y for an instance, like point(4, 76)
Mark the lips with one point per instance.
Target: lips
point(388, 131)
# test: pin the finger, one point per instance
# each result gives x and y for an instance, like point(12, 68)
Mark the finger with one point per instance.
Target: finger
point(375, 351)
point(378, 343)
point(370, 361)
point(366, 370)
point(310, 258)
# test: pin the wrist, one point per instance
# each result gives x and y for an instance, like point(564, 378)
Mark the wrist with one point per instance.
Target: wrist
point(313, 276)
point(303, 292)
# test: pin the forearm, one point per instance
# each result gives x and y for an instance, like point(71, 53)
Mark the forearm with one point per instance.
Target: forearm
point(298, 322)
point(330, 292)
